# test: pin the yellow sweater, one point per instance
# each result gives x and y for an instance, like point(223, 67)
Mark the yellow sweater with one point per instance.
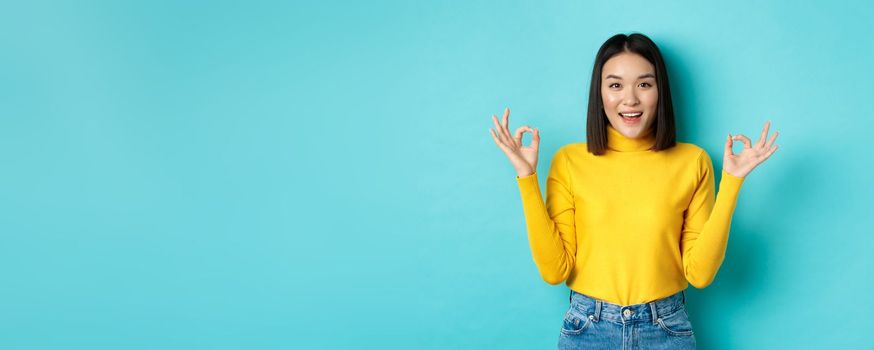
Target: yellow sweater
point(630, 226)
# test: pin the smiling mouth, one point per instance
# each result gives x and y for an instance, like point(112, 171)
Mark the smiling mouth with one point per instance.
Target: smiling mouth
point(634, 115)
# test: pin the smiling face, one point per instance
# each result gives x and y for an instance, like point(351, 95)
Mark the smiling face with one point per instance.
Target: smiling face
point(628, 87)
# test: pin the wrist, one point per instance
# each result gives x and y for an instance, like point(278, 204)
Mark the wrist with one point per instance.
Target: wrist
point(524, 172)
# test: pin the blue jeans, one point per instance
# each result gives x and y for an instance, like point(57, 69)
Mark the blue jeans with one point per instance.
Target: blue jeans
point(595, 324)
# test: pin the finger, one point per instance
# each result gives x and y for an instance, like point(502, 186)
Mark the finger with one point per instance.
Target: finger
point(506, 129)
point(773, 149)
point(506, 117)
point(744, 139)
point(764, 134)
point(520, 131)
point(771, 141)
point(535, 140)
point(500, 132)
point(728, 144)
point(500, 144)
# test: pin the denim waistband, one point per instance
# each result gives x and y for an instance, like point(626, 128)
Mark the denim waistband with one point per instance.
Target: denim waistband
point(596, 309)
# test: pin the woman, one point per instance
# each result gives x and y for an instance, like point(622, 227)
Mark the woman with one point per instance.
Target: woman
point(631, 217)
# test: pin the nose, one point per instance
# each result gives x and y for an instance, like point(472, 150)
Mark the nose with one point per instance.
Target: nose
point(630, 98)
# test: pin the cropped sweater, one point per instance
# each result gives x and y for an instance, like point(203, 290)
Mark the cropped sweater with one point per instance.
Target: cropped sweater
point(630, 226)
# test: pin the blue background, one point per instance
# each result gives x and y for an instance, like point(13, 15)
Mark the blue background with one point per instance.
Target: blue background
point(229, 175)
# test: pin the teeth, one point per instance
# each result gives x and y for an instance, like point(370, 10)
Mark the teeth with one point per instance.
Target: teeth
point(630, 115)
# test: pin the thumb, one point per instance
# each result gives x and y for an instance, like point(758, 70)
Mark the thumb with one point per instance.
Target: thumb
point(728, 143)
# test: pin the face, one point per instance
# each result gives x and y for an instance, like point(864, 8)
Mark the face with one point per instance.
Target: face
point(628, 86)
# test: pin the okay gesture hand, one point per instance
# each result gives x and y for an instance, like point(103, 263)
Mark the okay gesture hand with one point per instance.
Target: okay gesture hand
point(524, 159)
point(740, 165)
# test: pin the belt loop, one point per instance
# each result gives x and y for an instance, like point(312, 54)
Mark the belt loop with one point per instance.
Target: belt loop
point(570, 297)
point(597, 310)
point(684, 296)
point(655, 314)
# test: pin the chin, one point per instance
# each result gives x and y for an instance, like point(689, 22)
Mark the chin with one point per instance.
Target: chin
point(632, 131)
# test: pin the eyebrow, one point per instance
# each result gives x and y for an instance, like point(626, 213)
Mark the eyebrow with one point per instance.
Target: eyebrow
point(647, 75)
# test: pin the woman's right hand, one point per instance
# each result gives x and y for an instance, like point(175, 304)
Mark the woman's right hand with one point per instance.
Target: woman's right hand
point(524, 159)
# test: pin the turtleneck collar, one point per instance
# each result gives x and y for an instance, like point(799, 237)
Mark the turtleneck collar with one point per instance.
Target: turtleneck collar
point(620, 143)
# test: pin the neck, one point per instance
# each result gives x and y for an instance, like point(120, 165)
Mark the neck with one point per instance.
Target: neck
point(621, 143)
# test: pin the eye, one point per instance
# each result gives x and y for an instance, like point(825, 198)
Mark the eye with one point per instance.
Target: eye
point(645, 83)
point(614, 85)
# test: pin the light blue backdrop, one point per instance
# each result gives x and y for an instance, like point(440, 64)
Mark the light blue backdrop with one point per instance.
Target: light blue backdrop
point(239, 175)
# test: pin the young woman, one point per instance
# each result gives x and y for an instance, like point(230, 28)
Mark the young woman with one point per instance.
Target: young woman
point(631, 217)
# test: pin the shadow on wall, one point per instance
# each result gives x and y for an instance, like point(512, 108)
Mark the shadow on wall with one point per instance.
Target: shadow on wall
point(755, 234)
point(754, 242)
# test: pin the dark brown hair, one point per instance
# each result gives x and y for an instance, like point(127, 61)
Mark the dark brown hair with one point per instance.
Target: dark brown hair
point(596, 123)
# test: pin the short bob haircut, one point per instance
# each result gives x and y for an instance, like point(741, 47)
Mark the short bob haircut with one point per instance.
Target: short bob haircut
point(596, 123)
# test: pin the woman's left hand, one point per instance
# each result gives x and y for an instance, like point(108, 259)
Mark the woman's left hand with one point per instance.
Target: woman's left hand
point(740, 165)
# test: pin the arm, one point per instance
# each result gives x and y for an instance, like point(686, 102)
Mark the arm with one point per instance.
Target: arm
point(707, 222)
point(551, 229)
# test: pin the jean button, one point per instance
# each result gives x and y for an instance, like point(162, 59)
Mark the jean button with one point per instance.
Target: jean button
point(627, 313)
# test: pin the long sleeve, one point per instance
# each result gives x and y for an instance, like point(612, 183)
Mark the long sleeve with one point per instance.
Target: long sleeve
point(706, 224)
point(550, 224)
